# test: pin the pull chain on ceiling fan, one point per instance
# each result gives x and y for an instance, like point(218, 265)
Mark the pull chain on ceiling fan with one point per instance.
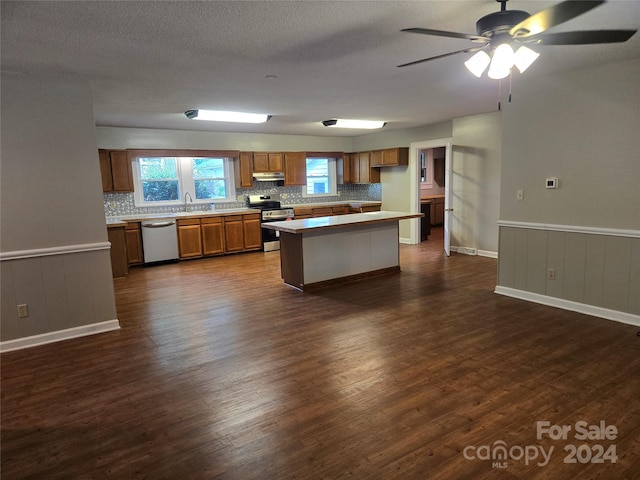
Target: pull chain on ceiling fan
point(499, 32)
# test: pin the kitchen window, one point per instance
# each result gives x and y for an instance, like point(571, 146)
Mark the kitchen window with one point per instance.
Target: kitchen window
point(321, 177)
point(164, 181)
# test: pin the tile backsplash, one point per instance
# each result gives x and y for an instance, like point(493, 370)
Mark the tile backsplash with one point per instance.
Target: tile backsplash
point(119, 204)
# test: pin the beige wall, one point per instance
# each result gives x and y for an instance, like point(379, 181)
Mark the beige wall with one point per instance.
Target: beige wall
point(581, 127)
point(113, 137)
point(476, 181)
point(54, 249)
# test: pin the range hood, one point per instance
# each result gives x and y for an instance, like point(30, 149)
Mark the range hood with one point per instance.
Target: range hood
point(269, 176)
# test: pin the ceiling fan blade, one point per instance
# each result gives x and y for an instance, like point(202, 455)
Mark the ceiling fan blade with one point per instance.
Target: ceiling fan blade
point(466, 50)
point(443, 33)
point(552, 16)
point(585, 37)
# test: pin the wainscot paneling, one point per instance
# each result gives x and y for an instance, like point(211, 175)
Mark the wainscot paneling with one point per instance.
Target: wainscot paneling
point(591, 267)
point(65, 293)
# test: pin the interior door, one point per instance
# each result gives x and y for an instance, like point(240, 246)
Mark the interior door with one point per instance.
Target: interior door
point(448, 196)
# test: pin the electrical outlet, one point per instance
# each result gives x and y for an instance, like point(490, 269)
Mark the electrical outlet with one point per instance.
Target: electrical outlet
point(551, 273)
point(23, 310)
point(520, 195)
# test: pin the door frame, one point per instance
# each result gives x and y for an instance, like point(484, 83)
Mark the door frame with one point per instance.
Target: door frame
point(414, 169)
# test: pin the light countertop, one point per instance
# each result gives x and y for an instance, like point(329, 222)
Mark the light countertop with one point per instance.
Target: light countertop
point(195, 214)
point(338, 221)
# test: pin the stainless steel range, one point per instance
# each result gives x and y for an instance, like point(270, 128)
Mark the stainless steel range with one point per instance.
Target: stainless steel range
point(271, 211)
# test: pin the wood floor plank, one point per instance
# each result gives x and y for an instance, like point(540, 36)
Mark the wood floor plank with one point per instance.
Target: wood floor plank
point(219, 371)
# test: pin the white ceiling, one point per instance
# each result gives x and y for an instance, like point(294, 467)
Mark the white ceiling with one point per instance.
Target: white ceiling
point(301, 61)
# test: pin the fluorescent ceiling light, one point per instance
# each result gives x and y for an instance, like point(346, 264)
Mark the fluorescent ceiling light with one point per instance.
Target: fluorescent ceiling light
point(222, 116)
point(342, 123)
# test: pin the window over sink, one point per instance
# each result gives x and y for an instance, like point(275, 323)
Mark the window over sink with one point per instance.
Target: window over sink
point(321, 177)
point(166, 180)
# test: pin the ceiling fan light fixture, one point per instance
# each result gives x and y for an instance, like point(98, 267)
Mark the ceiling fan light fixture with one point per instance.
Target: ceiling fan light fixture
point(226, 116)
point(346, 123)
point(524, 57)
point(501, 62)
point(478, 63)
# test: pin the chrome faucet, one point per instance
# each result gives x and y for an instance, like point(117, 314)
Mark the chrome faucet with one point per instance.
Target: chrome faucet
point(185, 200)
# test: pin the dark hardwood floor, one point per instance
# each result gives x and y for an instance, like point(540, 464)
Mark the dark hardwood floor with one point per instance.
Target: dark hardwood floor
point(221, 372)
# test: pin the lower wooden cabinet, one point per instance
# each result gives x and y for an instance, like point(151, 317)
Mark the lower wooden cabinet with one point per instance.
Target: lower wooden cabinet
point(189, 238)
point(133, 239)
point(437, 211)
point(212, 236)
point(252, 231)
point(117, 238)
point(233, 233)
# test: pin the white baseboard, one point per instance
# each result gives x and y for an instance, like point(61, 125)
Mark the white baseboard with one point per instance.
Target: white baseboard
point(474, 251)
point(59, 335)
point(592, 310)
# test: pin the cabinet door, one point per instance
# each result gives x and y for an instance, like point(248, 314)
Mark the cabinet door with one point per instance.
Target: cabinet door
point(275, 162)
point(376, 158)
point(212, 236)
point(233, 234)
point(105, 170)
point(364, 167)
point(121, 171)
point(117, 237)
point(354, 168)
point(440, 211)
point(295, 168)
point(189, 241)
point(252, 232)
point(395, 156)
point(346, 167)
point(244, 173)
point(133, 237)
point(260, 162)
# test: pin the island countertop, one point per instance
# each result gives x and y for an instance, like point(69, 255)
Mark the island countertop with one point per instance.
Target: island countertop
point(337, 221)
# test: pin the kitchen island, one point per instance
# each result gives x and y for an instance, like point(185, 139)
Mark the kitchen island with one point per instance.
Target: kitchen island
point(317, 252)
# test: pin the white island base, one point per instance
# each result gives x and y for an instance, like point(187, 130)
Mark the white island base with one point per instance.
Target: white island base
point(319, 252)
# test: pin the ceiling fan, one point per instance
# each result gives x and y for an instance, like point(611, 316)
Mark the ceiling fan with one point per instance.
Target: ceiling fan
point(499, 32)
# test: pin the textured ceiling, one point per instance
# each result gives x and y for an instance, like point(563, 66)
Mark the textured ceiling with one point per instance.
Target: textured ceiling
point(301, 61)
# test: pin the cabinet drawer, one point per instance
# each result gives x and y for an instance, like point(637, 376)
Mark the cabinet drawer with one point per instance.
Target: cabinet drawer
point(207, 220)
point(322, 212)
point(341, 210)
point(303, 212)
point(189, 221)
point(233, 218)
point(251, 216)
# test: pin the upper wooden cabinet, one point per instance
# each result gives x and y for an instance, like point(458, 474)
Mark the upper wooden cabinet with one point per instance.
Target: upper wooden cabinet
point(244, 170)
point(390, 157)
point(115, 168)
point(267, 162)
point(295, 168)
point(360, 170)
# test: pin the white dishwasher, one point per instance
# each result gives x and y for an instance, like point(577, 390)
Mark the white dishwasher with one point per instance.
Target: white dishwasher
point(159, 240)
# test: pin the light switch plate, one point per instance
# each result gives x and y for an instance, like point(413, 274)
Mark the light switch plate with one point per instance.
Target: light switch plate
point(552, 182)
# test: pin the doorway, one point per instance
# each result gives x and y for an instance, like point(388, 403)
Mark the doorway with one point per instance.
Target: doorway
point(431, 181)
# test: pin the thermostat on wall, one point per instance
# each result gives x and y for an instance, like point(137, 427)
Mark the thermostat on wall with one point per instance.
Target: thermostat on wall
point(552, 182)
